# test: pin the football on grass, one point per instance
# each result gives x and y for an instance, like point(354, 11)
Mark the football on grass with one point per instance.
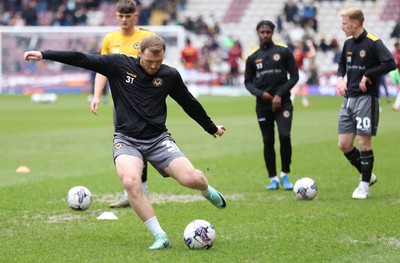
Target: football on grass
point(305, 189)
point(79, 198)
point(199, 234)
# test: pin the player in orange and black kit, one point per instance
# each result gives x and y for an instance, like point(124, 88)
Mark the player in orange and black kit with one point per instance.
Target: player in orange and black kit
point(364, 60)
point(266, 77)
point(190, 61)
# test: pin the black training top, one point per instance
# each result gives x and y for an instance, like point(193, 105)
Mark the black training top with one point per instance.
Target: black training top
point(139, 98)
point(364, 56)
point(267, 70)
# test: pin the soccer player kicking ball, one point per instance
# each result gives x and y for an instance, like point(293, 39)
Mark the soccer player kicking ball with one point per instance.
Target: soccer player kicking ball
point(139, 88)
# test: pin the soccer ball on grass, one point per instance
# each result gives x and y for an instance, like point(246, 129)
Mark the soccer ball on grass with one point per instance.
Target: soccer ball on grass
point(305, 189)
point(79, 198)
point(199, 234)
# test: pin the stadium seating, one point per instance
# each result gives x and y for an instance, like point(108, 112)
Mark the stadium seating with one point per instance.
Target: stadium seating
point(252, 11)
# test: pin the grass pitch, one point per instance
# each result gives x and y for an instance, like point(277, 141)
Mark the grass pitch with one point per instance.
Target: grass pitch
point(65, 145)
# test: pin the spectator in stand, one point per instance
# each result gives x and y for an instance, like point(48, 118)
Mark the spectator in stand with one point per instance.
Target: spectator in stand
point(323, 46)
point(297, 33)
point(290, 44)
point(201, 27)
point(334, 44)
point(29, 13)
point(80, 16)
point(91, 4)
point(213, 44)
point(182, 5)
point(58, 19)
point(16, 20)
point(280, 22)
point(309, 13)
point(309, 32)
point(215, 29)
point(291, 11)
point(205, 59)
point(54, 5)
point(396, 31)
point(189, 24)
point(234, 57)
point(144, 14)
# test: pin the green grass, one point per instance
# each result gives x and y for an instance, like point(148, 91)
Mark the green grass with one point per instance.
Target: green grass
point(65, 145)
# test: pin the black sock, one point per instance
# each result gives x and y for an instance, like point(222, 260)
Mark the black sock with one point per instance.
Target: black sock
point(354, 158)
point(367, 163)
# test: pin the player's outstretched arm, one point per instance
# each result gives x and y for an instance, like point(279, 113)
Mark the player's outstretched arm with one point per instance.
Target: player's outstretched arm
point(33, 55)
point(221, 130)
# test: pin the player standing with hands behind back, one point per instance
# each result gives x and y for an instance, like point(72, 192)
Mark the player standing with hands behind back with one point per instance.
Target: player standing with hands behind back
point(266, 77)
point(123, 41)
point(364, 60)
point(139, 88)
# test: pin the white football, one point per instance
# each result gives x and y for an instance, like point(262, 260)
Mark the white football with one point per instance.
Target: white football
point(79, 198)
point(199, 234)
point(305, 189)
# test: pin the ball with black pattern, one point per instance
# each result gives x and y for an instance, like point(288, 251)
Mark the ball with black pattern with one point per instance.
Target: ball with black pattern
point(199, 234)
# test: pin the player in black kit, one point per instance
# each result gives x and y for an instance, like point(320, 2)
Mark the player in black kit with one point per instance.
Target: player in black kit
point(364, 60)
point(266, 77)
point(139, 88)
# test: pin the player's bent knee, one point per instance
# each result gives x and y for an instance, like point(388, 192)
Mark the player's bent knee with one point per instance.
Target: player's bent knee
point(194, 179)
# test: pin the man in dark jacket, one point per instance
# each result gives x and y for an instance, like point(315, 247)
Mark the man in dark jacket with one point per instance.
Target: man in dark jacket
point(266, 77)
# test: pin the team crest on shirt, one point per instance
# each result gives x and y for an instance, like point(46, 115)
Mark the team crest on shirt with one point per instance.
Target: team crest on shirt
point(157, 82)
point(286, 114)
point(363, 53)
point(136, 45)
point(118, 146)
point(276, 57)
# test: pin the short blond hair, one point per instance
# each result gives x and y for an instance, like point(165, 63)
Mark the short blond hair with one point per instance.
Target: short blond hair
point(353, 13)
point(153, 43)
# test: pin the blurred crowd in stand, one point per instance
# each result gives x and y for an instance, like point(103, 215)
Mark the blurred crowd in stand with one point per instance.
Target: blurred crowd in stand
point(220, 57)
point(63, 13)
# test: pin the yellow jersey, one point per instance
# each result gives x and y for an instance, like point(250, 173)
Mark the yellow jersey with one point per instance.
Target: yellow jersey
point(116, 42)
